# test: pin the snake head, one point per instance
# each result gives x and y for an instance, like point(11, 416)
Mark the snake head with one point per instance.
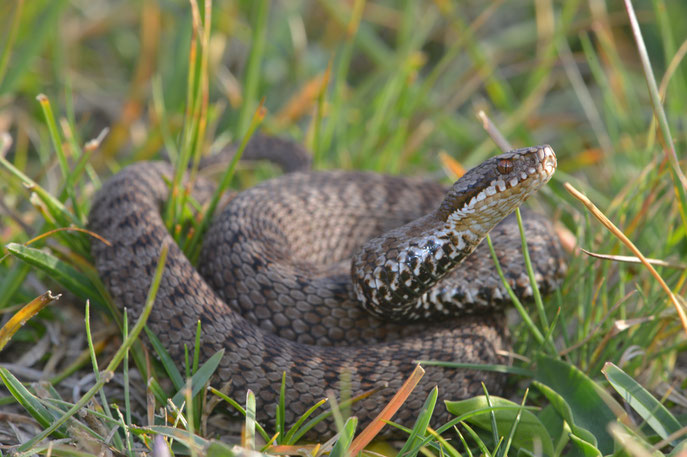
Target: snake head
point(493, 189)
point(393, 272)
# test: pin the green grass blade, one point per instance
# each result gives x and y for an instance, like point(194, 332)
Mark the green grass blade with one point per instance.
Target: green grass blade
point(443, 446)
point(516, 302)
point(516, 422)
point(296, 426)
point(167, 362)
point(55, 208)
point(651, 410)
point(468, 451)
point(127, 394)
point(188, 439)
point(340, 449)
point(419, 430)
point(250, 420)
point(200, 378)
point(65, 274)
point(42, 29)
point(55, 137)
point(26, 449)
point(252, 75)
point(196, 349)
point(194, 245)
point(322, 416)
point(477, 366)
point(11, 36)
point(158, 391)
point(530, 274)
point(240, 409)
point(96, 370)
point(679, 179)
point(480, 444)
point(281, 407)
point(30, 402)
point(495, 434)
point(219, 449)
point(507, 414)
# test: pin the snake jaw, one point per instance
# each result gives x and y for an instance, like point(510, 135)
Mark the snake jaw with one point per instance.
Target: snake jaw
point(498, 186)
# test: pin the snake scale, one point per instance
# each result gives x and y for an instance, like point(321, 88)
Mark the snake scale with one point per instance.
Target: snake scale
point(295, 272)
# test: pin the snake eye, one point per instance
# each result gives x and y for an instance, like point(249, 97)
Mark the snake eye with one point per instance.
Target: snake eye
point(504, 166)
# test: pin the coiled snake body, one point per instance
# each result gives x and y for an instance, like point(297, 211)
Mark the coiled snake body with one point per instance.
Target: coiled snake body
point(288, 264)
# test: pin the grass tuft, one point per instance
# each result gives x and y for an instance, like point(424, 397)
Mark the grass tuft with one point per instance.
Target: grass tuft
point(392, 87)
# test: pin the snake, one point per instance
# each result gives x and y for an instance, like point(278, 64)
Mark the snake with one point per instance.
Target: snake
point(334, 280)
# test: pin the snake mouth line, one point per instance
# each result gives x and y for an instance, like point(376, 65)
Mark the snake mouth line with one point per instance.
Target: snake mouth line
point(525, 182)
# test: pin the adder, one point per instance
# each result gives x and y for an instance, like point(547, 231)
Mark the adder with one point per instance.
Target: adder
point(320, 273)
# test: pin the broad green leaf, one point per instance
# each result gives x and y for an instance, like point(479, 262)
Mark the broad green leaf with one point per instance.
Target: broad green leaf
point(553, 422)
point(651, 410)
point(585, 448)
point(588, 403)
point(528, 429)
point(562, 407)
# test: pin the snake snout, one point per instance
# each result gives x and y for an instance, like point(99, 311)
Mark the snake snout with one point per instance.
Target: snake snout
point(548, 159)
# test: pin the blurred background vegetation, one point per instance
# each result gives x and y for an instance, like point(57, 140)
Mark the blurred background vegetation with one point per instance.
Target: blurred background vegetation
point(392, 86)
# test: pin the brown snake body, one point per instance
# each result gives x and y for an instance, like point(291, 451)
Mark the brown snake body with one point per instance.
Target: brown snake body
point(288, 263)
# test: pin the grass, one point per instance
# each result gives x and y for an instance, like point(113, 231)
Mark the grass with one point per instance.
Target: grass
point(385, 86)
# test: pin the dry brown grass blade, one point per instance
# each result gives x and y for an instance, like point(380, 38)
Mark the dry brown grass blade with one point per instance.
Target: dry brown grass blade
point(493, 132)
point(23, 315)
point(453, 168)
point(67, 229)
point(674, 65)
point(633, 259)
point(626, 241)
point(295, 449)
point(134, 105)
point(594, 331)
point(372, 430)
point(303, 101)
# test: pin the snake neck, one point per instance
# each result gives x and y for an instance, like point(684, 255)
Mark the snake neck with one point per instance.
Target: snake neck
point(392, 274)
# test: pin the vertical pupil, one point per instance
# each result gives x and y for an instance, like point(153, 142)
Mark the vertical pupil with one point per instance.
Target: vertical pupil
point(504, 166)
